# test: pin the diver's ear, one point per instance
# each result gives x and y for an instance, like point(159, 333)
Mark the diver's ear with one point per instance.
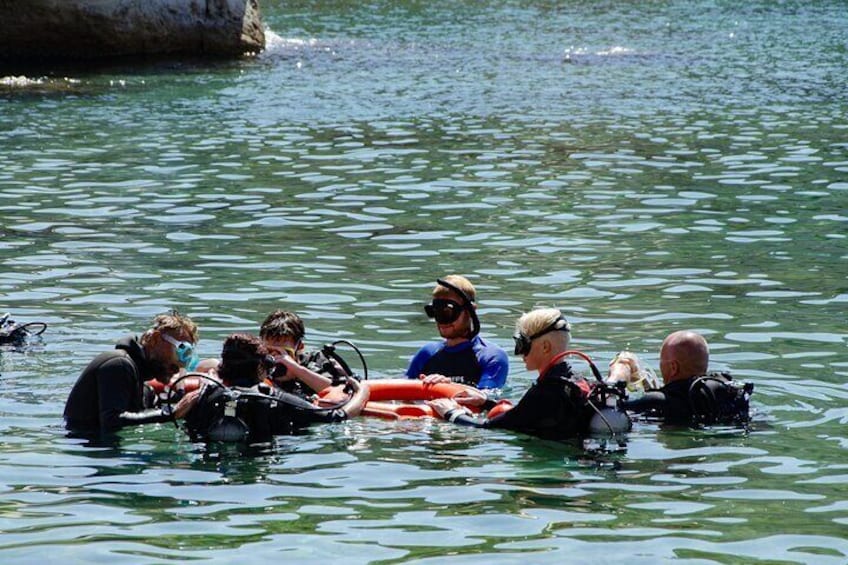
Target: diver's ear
point(673, 369)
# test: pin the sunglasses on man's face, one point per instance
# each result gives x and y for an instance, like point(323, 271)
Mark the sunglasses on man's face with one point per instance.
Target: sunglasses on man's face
point(443, 310)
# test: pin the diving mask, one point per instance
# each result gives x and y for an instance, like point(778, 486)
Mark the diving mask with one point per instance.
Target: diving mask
point(185, 352)
point(523, 342)
point(443, 310)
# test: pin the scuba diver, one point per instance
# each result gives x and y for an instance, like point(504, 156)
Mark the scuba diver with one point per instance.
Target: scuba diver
point(690, 395)
point(246, 406)
point(283, 334)
point(297, 370)
point(109, 393)
point(463, 357)
point(559, 405)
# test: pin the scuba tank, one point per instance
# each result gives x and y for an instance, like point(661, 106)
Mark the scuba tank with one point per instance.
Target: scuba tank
point(608, 418)
point(216, 416)
point(715, 398)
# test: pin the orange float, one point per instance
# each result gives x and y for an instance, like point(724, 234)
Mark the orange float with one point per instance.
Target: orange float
point(186, 384)
point(165, 391)
point(401, 399)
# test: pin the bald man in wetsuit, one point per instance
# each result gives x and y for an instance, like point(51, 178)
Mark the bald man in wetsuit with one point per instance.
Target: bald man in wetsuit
point(684, 358)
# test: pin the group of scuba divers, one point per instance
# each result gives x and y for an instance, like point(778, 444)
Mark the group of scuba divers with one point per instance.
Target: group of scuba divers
point(271, 384)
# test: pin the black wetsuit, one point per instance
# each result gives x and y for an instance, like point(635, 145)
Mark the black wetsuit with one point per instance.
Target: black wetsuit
point(109, 393)
point(553, 408)
point(252, 414)
point(713, 399)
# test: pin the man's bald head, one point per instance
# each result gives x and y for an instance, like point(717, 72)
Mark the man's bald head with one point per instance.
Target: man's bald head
point(683, 354)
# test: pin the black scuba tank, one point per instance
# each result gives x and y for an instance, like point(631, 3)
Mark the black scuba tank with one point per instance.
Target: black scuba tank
point(715, 398)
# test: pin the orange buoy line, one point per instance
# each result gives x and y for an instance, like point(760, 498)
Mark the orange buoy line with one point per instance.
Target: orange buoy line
point(162, 388)
point(399, 399)
point(187, 383)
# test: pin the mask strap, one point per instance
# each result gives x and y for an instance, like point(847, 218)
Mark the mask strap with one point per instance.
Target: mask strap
point(552, 328)
point(171, 340)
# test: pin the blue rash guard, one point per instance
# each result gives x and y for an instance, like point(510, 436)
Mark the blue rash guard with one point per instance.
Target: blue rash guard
point(475, 363)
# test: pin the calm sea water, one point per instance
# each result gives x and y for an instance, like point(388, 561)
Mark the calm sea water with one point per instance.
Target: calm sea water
point(645, 167)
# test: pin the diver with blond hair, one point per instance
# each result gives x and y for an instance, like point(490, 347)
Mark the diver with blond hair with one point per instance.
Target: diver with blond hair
point(559, 404)
point(463, 357)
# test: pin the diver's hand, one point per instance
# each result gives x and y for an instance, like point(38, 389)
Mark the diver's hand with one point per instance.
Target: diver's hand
point(433, 379)
point(443, 405)
point(471, 398)
point(185, 404)
point(291, 368)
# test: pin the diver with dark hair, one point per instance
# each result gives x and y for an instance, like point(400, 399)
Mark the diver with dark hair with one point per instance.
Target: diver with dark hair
point(246, 406)
point(691, 395)
point(463, 357)
point(283, 333)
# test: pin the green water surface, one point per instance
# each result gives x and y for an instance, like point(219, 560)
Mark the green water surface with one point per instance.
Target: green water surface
point(645, 166)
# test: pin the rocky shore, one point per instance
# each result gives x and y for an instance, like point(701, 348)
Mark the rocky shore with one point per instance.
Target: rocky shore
point(81, 30)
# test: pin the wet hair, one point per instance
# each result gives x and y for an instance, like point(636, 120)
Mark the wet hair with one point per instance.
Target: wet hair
point(281, 323)
point(241, 358)
point(458, 281)
point(175, 324)
point(535, 321)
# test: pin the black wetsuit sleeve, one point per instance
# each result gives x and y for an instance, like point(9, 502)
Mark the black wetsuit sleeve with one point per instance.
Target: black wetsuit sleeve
point(651, 401)
point(523, 416)
point(547, 410)
point(117, 394)
point(527, 413)
point(301, 412)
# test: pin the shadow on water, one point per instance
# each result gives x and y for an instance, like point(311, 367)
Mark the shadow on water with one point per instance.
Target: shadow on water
point(128, 75)
point(118, 65)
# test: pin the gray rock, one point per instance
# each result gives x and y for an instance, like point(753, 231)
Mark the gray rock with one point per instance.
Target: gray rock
point(100, 29)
